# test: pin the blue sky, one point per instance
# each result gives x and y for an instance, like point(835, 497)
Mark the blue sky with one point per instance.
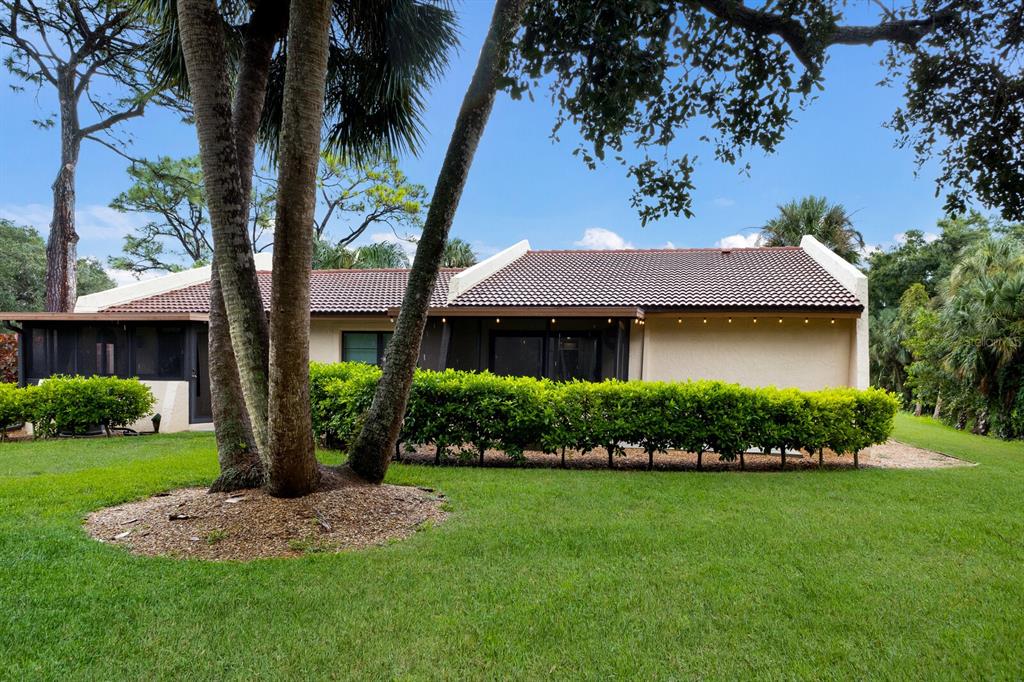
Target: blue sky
point(523, 186)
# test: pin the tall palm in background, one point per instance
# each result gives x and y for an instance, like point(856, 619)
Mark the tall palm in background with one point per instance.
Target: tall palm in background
point(983, 324)
point(828, 223)
point(458, 254)
point(327, 256)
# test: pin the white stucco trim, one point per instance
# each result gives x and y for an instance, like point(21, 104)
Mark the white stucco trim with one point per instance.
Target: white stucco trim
point(856, 282)
point(470, 277)
point(158, 285)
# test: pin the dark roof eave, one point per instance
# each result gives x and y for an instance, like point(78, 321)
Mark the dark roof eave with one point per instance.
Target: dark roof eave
point(107, 316)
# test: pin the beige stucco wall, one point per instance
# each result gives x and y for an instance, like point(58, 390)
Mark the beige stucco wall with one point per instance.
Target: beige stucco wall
point(171, 405)
point(792, 354)
point(325, 335)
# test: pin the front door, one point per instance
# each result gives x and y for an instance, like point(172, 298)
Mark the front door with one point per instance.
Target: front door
point(201, 408)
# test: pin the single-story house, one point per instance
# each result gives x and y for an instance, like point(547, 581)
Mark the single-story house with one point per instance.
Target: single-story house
point(784, 316)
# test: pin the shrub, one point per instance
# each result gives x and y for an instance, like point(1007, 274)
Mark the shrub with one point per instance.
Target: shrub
point(73, 404)
point(453, 409)
point(12, 407)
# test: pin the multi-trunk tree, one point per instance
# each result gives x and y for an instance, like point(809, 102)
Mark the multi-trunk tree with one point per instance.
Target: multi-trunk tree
point(84, 50)
point(381, 56)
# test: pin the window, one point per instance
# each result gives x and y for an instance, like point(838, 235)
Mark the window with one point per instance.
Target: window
point(365, 347)
point(520, 355)
point(160, 352)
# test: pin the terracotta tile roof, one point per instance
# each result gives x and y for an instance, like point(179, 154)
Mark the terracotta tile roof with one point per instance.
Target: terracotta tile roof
point(758, 278)
point(780, 277)
point(331, 291)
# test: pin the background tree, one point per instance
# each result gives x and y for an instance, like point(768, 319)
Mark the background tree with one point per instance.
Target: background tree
point(919, 260)
point(23, 270)
point(171, 190)
point(356, 196)
point(84, 50)
point(982, 320)
point(458, 254)
point(828, 223)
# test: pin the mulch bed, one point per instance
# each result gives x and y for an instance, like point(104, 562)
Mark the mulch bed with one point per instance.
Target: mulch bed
point(192, 524)
point(889, 455)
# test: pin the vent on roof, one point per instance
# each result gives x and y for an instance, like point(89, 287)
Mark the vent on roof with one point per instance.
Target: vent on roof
point(726, 251)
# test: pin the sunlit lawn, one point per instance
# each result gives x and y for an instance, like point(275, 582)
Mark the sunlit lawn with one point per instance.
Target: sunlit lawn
point(537, 573)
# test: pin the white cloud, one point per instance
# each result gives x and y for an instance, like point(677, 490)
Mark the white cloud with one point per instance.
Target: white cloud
point(723, 202)
point(600, 238)
point(92, 221)
point(869, 249)
point(740, 241)
point(669, 245)
point(122, 277)
point(408, 245)
point(930, 237)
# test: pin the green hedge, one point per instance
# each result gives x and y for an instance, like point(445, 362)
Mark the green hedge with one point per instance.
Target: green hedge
point(74, 404)
point(480, 411)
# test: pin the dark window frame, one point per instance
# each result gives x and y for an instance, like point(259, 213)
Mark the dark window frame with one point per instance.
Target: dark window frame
point(382, 343)
point(517, 333)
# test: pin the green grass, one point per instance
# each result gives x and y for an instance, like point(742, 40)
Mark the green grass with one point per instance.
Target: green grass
point(537, 573)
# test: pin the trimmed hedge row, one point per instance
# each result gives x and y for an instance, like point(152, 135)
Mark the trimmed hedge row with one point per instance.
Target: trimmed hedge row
point(482, 411)
point(74, 404)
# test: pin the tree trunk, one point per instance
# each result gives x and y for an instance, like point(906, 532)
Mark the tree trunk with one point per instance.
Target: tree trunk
point(202, 40)
point(918, 408)
point(938, 407)
point(293, 466)
point(62, 242)
point(371, 451)
point(240, 465)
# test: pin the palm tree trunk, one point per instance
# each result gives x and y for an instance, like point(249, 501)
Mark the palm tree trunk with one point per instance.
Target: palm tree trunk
point(62, 242)
point(938, 407)
point(240, 465)
point(371, 452)
point(293, 466)
point(202, 39)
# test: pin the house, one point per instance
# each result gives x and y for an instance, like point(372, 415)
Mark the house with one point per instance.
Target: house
point(784, 316)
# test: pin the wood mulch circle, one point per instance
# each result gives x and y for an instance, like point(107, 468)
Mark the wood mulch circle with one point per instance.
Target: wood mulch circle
point(889, 455)
point(192, 524)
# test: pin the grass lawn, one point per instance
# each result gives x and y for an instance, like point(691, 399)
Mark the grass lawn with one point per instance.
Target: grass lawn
point(537, 573)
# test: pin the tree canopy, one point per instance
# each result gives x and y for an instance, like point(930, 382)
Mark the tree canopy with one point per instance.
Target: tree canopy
point(633, 76)
point(23, 270)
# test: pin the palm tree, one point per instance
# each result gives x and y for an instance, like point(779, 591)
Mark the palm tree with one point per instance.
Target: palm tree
point(380, 255)
point(458, 254)
point(828, 223)
point(293, 469)
point(327, 256)
point(983, 321)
